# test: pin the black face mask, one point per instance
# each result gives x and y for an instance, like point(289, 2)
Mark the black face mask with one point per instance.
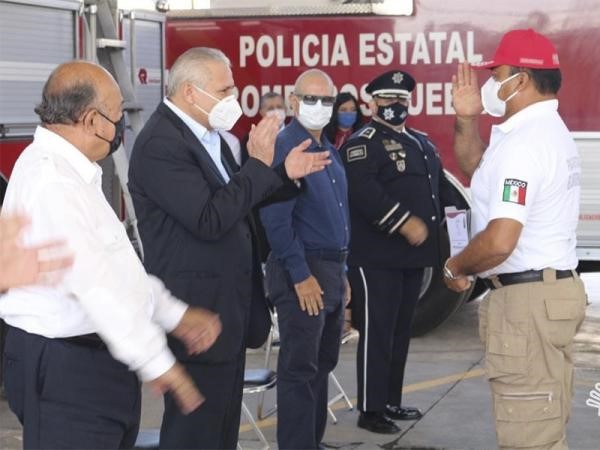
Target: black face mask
point(394, 114)
point(115, 143)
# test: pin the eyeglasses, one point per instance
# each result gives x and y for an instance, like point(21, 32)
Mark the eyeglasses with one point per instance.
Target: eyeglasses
point(326, 100)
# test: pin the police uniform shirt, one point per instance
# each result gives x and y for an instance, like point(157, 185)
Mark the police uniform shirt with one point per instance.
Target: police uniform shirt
point(391, 177)
point(107, 291)
point(530, 173)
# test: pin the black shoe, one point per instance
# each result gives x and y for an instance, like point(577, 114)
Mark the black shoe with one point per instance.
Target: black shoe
point(402, 413)
point(377, 422)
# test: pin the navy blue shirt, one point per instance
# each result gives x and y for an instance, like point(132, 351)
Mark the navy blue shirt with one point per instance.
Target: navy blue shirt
point(318, 218)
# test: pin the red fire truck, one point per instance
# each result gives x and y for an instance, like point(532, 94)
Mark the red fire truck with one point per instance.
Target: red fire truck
point(271, 42)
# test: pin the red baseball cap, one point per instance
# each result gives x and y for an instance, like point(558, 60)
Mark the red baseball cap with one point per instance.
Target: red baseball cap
point(523, 48)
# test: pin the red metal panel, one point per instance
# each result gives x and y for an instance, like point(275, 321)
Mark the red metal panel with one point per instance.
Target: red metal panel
point(10, 149)
point(269, 53)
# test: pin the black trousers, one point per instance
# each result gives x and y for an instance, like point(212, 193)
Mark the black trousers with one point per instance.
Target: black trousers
point(68, 396)
point(215, 424)
point(383, 305)
point(309, 350)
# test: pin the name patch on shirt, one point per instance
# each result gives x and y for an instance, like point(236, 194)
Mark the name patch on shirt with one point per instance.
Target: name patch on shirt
point(356, 153)
point(514, 191)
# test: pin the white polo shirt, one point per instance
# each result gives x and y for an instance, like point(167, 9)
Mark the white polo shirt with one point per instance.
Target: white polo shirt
point(531, 173)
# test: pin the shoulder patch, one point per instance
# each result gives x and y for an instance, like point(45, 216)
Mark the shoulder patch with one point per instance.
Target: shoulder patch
point(356, 153)
point(514, 191)
point(368, 132)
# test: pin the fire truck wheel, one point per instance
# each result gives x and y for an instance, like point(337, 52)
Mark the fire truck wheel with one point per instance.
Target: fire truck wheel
point(436, 303)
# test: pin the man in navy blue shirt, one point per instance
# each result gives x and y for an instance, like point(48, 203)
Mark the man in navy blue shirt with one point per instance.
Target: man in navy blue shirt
point(306, 277)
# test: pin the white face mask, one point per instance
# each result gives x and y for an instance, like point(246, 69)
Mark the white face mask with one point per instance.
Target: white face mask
point(314, 117)
point(224, 114)
point(277, 112)
point(492, 104)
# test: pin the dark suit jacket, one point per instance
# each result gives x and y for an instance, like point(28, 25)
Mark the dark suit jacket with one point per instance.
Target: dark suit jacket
point(198, 232)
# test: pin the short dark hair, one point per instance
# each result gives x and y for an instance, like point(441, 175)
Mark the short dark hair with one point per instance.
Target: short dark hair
point(546, 81)
point(268, 96)
point(65, 105)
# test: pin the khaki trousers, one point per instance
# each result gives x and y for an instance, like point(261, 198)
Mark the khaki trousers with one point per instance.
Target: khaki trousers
point(528, 332)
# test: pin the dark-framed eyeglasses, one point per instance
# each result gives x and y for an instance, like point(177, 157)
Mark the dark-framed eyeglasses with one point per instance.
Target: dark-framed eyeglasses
point(326, 100)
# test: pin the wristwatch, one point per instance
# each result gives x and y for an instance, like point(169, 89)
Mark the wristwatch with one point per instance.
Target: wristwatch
point(447, 272)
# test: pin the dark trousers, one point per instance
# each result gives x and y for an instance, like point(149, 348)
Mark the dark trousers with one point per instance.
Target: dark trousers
point(215, 424)
point(383, 305)
point(69, 396)
point(309, 350)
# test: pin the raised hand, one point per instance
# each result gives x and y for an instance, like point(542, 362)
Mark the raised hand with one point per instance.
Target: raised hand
point(300, 163)
point(466, 94)
point(261, 141)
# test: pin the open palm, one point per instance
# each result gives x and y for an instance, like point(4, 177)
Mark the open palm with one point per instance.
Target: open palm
point(466, 96)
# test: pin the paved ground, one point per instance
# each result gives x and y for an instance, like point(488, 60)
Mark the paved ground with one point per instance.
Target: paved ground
point(444, 378)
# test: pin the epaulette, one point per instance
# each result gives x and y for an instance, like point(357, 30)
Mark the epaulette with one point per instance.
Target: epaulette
point(367, 132)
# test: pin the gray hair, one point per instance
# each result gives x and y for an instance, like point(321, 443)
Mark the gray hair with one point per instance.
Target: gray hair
point(66, 104)
point(311, 73)
point(191, 67)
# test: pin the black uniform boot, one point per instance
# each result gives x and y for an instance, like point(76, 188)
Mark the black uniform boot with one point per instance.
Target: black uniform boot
point(377, 422)
point(402, 413)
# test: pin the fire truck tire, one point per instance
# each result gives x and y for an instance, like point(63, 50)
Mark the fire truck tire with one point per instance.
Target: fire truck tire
point(437, 303)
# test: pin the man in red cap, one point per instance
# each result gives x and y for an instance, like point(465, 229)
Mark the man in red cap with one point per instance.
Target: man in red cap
point(525, 188)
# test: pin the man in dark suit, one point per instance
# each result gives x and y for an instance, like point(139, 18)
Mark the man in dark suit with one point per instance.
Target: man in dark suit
point(194, 207)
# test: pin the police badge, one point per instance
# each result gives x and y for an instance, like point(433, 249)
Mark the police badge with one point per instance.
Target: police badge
point(401, 165)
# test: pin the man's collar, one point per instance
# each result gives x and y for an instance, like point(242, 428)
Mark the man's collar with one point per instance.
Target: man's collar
point(533, 110)
point(86, 169)
point(197, 128)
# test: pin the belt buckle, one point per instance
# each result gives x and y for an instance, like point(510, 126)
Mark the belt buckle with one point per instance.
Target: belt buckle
point(493, 282)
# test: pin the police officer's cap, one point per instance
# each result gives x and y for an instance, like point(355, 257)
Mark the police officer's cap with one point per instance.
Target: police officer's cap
point(394, 83)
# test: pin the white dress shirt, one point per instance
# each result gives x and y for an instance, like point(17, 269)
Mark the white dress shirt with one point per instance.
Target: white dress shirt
point(234, 145)
point(209, 139)
point(107, 291)
point(530, 173)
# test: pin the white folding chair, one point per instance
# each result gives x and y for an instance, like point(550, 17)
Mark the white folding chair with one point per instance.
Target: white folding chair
point(336, 398)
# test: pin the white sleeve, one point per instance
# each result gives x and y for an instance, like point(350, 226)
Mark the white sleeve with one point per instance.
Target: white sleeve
point(516, 182)
point(168, 310)
point(107, 277)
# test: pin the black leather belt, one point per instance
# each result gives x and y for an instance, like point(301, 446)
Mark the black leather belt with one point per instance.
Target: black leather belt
point(528, 276)
point(328, 255)
point(91, 340)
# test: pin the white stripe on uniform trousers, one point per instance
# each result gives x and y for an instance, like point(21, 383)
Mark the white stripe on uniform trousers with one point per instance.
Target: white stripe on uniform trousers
point(366, 339)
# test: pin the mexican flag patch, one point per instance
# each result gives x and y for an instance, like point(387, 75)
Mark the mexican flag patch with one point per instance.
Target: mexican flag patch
point(514, 191)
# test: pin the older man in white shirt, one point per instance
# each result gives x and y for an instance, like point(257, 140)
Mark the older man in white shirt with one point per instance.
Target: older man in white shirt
point(72, 348)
